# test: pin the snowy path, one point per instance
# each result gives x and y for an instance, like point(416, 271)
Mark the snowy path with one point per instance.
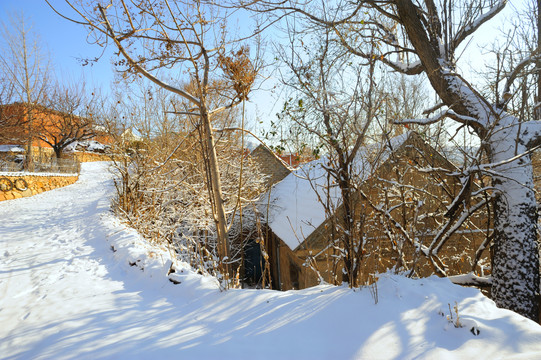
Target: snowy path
point(53, 284)
point(64, 294)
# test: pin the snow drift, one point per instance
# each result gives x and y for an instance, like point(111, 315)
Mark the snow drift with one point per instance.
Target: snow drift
point(76, 283)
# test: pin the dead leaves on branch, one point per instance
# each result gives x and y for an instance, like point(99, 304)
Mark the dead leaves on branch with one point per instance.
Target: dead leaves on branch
point(239, 71)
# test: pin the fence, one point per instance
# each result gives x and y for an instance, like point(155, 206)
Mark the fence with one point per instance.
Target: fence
point(42, 165)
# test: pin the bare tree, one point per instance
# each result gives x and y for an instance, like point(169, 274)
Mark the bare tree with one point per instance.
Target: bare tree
point(8, 122)
point(191, 38)
point(161, 184)
point(68, 118)
point(426, 37)
point(25, 65)
point(337, 111)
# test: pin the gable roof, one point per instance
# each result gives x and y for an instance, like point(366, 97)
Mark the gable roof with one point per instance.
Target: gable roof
point(296, 210)
point(270, 165)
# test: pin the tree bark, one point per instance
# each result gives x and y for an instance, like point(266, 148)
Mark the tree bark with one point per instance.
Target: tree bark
point(58, 152)
point(29, 160)
point(440, 74)
point(515, 272)
point(537, 108)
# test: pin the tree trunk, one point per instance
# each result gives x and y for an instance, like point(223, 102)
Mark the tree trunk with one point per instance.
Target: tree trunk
point(515, 273)
point(217, 197)
point(537, 108)
point(29, 160)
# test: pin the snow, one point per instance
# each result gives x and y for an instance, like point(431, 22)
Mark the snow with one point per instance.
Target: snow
point(11, 148)
point(68, 291)
point(26, 173)
point(404, 67)
point(296, 208)
point(86, 145)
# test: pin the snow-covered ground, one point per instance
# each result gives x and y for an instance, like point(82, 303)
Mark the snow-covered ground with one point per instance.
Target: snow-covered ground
point(65, 294)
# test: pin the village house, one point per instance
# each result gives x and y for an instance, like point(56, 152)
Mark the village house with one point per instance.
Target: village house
point(403, 210)
point(50, 130)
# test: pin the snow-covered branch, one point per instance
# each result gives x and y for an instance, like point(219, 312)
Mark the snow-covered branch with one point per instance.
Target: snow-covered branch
point(448, 113)
point(450, 228)
point(471, 280)
point(469, 29)
point(481, 249)
point(530, 134)
point(534, 57)
point(432, 109)
point(414, 68)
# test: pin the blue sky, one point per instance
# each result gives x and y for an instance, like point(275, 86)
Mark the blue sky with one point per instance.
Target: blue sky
point(64, 41)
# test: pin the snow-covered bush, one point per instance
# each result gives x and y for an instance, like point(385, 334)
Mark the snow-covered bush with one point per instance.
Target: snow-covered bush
point(162, 192)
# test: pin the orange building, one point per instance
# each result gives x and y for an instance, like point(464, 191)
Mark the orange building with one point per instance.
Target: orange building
point(18, 122)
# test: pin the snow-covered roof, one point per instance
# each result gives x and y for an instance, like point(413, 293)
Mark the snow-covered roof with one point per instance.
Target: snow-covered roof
point(86, 145)
point(128, 135)
point(11, 148)
point(296, 208)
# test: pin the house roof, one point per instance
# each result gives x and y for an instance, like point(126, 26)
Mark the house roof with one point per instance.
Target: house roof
point(12, 148)
point(296, 209)
point(270, 164)
point(128, 135)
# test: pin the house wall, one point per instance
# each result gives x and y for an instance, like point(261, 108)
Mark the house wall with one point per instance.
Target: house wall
point(14, 130)
point(82, 156)
point(287, 269)
point(18, 118)
point(536, 163)
point(17, 128)
point(436, 190)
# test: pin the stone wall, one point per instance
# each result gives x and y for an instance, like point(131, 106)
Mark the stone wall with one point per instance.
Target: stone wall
point(36, 185)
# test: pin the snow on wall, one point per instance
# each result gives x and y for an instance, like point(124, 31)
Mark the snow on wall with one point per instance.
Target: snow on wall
point(296, 209)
